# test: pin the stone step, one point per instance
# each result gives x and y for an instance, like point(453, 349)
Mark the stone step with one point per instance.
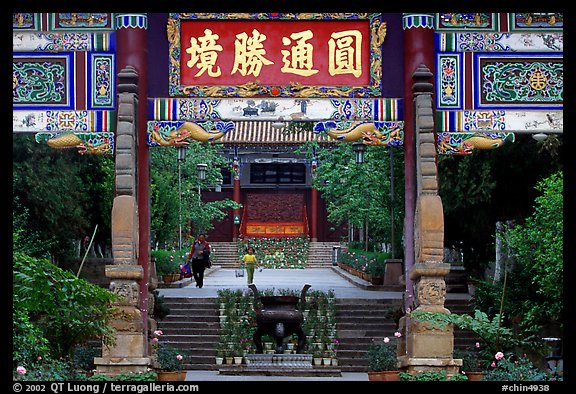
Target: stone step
point(193, 325)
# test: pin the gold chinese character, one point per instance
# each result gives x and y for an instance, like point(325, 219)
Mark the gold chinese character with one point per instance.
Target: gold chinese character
point(345, 53)
point(203, 54)
point(249, 54)
point(302, 53)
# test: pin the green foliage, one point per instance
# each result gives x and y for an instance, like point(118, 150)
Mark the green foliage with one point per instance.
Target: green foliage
point(491, 332)
point(239, 316)
point(514, 368)
point(28, 342)
point(472, 359)
point(356, 193)
point(164, 199)
point(60, 196)
point(169, 358)
point(149, 376)
point(168, 261)
point(83, 358)
point(487, 186)
point(68, 310)
point(48, 369)
point(382, 355)
point(373, 263)
point(538, 248)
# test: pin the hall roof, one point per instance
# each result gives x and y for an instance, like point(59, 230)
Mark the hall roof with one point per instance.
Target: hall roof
point(262, 132)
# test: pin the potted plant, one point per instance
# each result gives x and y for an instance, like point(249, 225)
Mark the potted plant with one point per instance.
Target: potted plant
point(383, 359)
point(167, 264)
point(514, 368)
point(473, 365)
point(170, 363)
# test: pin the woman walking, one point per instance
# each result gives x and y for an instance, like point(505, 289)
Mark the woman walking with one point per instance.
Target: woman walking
point(199, 255)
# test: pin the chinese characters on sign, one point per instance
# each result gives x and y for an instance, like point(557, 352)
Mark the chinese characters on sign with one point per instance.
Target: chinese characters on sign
point(275, 52)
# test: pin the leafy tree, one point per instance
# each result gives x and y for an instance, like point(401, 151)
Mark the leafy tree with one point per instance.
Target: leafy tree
point(488, 186)
point(537, 246)
point(59, 196)
point(165, 203)
point(360, 193)
point(68, 310)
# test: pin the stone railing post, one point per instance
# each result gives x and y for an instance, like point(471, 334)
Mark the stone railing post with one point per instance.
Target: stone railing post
point(427, 348)
point(128, 353)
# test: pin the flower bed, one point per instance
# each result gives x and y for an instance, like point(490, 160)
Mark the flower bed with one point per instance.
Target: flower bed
point(369, 266)
point(290, 252)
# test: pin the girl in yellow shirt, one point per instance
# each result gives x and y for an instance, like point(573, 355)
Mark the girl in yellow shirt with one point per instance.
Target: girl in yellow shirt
point(250, 261)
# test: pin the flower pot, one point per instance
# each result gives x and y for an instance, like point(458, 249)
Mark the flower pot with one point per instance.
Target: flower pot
point(326, 361)
point(229, 360)
point(334, 362)
point(238, 359)
point(171, 376)
point(377, 280)
point(219, 360)
point(317, 361)
point(384, 376)
point(169, 278)
point(475, 376)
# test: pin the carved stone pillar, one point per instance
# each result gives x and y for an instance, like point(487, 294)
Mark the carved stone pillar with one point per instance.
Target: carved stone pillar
point(129, 352)
point(427, 348)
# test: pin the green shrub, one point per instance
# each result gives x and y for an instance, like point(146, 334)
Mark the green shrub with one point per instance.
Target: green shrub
point(168, 262)
point(28, 342)
point(68, 310)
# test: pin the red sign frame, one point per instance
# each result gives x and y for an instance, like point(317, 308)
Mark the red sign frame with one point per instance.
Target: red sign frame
point(247, 55)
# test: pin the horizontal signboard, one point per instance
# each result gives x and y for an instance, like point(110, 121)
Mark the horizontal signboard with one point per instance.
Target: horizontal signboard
point(239, 56)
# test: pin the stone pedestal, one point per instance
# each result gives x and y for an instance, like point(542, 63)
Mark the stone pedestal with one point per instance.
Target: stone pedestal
point(393, 271)
point(279, 361)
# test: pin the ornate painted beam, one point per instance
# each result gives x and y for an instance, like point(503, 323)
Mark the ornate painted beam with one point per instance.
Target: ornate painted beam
point(499, 42)
point(289, 109)
point(176, 121)
point(63, 42)
point(56, 120)
point(499, 121)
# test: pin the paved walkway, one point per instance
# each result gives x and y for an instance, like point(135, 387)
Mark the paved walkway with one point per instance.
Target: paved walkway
point(342, 283)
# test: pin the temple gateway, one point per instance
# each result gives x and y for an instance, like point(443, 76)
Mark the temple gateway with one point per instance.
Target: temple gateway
point(429, 84)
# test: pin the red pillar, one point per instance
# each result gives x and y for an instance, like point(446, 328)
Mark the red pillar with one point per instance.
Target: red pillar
point(236, 194)
point(314, 219)
point(418, 49)
point(314, 197)
point(132, 50)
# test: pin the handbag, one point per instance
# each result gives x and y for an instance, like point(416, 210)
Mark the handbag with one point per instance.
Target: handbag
point(207, 261)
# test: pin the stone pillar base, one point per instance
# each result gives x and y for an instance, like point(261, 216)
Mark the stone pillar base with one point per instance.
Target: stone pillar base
point(416, 365)
point(113, 366)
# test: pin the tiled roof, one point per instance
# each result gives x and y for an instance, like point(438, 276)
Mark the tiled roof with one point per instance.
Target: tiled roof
point(261, 132)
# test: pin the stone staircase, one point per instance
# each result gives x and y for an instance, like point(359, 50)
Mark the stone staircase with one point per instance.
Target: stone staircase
point(320, 254)
point(193, 326)
point(359, 321)
point(225, 254)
